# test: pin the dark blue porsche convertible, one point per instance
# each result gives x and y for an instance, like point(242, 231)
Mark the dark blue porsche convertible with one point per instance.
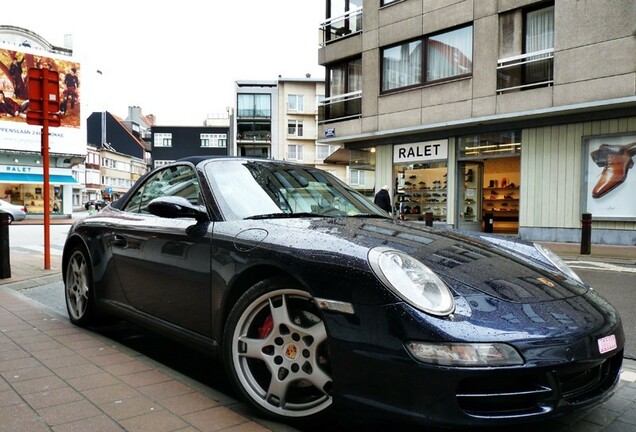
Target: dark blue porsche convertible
point(317, 302)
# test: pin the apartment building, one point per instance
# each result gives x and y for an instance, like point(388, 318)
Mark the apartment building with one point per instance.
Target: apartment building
point(512, 116)
point(278, 119)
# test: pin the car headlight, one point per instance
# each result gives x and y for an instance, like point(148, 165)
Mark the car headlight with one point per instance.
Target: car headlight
point(557, 262)
point(465, 354)
point(412, 281)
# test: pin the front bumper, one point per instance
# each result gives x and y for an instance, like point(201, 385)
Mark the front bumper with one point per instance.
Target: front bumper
point(375, 377)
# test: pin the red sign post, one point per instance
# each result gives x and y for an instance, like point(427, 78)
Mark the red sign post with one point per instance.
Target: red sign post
point(44, 110)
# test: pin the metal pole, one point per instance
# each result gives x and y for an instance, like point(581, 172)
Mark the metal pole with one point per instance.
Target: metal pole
point(586, 234)
point(428, 219)
point(5, 260)
point(45, 167)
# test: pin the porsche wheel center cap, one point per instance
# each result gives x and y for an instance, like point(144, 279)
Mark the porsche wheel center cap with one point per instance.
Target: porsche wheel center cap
point(291, 351)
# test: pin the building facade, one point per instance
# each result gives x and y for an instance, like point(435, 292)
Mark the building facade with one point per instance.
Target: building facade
point(297, 125)
point(117, 155)
point(256, 114)
point(512, 116)
point(279, 120)
point(171, 143)
point(21, 164)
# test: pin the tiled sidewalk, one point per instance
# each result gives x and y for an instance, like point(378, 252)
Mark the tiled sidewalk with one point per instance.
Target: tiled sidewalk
point(57, 377)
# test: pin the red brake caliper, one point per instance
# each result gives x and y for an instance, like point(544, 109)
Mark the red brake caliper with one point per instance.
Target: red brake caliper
point(266, 328)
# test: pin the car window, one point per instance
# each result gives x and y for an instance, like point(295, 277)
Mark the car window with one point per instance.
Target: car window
point(247, 189)
point(178, 180)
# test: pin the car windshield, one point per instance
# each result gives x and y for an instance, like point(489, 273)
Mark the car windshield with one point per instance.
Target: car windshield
point(252, 189)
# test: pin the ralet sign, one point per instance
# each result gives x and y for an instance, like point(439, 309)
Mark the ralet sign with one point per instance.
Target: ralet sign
point(420, 152)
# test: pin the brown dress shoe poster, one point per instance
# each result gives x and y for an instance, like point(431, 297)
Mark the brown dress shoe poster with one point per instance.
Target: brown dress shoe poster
point(610, 186)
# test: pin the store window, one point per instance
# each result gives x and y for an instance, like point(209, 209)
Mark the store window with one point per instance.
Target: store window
point(502, 144)
point(421, 172)
point(31, 196)
point(421, 189)
point(489, 187)
point(448, 55)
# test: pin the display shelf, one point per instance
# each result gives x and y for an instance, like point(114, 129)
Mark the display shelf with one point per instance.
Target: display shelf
point(422, 191)
point(502, 202)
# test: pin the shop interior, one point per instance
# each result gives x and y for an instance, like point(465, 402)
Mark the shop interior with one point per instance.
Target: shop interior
point(31, 196)
point(501, 194)
point(421, 188)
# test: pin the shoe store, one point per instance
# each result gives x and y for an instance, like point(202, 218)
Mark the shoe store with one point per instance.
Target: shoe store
point(421, 182)
point(535, 183)
point(487, 182)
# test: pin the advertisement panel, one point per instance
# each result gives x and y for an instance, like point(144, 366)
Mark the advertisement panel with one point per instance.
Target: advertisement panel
point(15, 133)
point(609, 188)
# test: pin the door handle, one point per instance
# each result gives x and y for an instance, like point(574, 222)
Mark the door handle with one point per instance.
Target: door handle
point(118, 240)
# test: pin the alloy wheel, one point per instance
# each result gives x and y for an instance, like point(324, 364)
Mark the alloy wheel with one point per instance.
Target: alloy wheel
point(280, 354)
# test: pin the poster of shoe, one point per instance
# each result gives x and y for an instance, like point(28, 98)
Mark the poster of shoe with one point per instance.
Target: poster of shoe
point(611, 178)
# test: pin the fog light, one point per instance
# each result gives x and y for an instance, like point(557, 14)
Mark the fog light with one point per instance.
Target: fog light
point(465, 354)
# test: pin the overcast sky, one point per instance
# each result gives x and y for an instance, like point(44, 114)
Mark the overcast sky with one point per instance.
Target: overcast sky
point(177, 60)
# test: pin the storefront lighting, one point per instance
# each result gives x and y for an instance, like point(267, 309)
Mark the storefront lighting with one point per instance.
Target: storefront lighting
point(37, 161)
point(16, 160)
point(499, 150)
point(481, 147)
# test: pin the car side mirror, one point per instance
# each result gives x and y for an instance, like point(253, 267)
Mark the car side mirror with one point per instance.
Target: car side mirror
point(176, 207)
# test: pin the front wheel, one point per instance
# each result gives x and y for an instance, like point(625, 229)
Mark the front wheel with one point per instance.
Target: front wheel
point(276, 352)
point(78, 288)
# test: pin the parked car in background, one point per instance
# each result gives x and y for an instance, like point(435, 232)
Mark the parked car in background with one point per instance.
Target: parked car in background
point(16, 212)
point(97, 204)
point(318, 302)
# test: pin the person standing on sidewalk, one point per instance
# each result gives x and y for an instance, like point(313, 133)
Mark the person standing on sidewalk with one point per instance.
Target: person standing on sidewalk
point(383, 200)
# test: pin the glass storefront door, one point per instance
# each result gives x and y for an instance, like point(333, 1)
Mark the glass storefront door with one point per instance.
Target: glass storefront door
point(470, 179)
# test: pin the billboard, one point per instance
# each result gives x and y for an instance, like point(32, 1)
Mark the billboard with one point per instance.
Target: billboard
point(608, 188)
point(15, 133)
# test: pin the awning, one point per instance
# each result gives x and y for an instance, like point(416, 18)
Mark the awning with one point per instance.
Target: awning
point(36, 178)
point(342, 156)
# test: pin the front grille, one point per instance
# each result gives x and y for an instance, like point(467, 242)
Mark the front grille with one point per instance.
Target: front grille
point(504, 396)
point(512, 395)
point(577, 386)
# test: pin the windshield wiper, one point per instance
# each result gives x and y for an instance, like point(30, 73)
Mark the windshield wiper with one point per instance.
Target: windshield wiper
point(286, 215)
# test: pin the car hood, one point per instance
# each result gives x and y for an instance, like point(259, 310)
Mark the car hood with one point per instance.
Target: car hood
point(504, 268)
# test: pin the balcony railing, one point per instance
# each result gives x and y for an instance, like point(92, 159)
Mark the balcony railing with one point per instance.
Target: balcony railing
point(535, 69)
point(255, 136)
point(340, 107)
point(338, 27)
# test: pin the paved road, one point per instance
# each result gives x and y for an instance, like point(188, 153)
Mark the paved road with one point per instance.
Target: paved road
point(617, 284)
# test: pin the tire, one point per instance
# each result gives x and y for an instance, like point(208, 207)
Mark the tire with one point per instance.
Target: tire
point(276, 353)
point(78, 289)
